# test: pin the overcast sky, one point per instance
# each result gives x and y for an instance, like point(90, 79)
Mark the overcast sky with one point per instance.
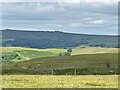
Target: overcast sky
point(75, 17)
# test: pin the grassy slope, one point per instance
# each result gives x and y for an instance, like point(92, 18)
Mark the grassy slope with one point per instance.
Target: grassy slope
point(30, 53)
point(94, 63)
point(76, 50)
point(56, 51)
point(89, 60)
point(36, 81)
point(11, 49)
point(93, 50)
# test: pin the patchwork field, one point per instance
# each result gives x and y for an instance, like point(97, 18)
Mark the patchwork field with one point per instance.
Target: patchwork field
point(37, 81)
point(17, 54)
point(87, 67)
point(76, 50)
point(93, 50)
point(84, 64)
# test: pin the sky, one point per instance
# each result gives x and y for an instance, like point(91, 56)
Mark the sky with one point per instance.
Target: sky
point(75, 16)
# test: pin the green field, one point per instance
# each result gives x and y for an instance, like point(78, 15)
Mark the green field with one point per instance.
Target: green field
point(37, 81)
point(17, 54)
point(83, 61)
point(11, 49)
point(85, 64)
point(92, 50)
point(76, 50)
point(10, 53)
point(39, 68)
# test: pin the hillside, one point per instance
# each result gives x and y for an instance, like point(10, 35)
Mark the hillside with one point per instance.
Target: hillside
point(92, 50)
point(18, 54)
point(55, 39)
point(84, 64)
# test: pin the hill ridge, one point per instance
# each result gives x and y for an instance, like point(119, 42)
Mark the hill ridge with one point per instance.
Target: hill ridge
point(56, 39)
point(56, 31)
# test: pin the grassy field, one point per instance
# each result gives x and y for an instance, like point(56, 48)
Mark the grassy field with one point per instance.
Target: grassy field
point(86, 64)
point(43, 68)
point(11, 49)
point(92, 50)
point(24, 54)
point(37, 81)
point(27, 53)
point(76, 50)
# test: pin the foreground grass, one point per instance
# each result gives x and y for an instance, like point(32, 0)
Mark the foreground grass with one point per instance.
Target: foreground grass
point(38, 81)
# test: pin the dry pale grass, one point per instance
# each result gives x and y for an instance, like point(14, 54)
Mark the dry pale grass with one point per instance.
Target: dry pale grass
point(39, 81)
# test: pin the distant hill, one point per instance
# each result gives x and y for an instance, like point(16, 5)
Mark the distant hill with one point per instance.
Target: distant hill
point(55, 39)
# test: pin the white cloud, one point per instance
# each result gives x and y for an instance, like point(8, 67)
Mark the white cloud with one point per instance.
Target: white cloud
point(38, 4)
point(88, 18)
point(59, 25)
point(45, 8)
point(75, 24)
point(97, 22)
point(74, 17)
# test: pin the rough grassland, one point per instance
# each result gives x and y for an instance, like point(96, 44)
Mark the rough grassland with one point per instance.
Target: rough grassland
point(37, 81)
point(29, 53)
point(11, 49)
point(93, 50)
point(50, 81)
point(76, 50)
point(89, 64)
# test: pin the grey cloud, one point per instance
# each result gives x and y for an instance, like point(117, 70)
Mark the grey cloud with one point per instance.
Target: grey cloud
point(80, 18)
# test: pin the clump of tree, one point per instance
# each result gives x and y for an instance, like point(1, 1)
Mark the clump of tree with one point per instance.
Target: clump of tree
point(68, 53)
point(8, 57)
point(98, 45)
point(60, 54)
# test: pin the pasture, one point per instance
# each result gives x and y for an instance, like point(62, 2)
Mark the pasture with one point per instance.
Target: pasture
point(38, 81)
point(10, 53)
point(43, 68)
point(84, 64)
point(76, 50)
point(92, 50)
point(18, 54)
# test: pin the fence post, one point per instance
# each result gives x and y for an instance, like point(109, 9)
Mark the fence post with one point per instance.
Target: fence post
point(52, 72)
point(74, 71)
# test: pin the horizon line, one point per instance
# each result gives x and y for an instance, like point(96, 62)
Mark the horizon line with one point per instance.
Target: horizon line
point(37, 30)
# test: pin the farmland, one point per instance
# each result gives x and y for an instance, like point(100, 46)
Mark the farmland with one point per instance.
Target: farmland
point(85, 60)
point(17, 54)
point(84, 64)
point(10, 53)
point(76, 50)
point(59, 44)
point(43, 68)
point(37, 81)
